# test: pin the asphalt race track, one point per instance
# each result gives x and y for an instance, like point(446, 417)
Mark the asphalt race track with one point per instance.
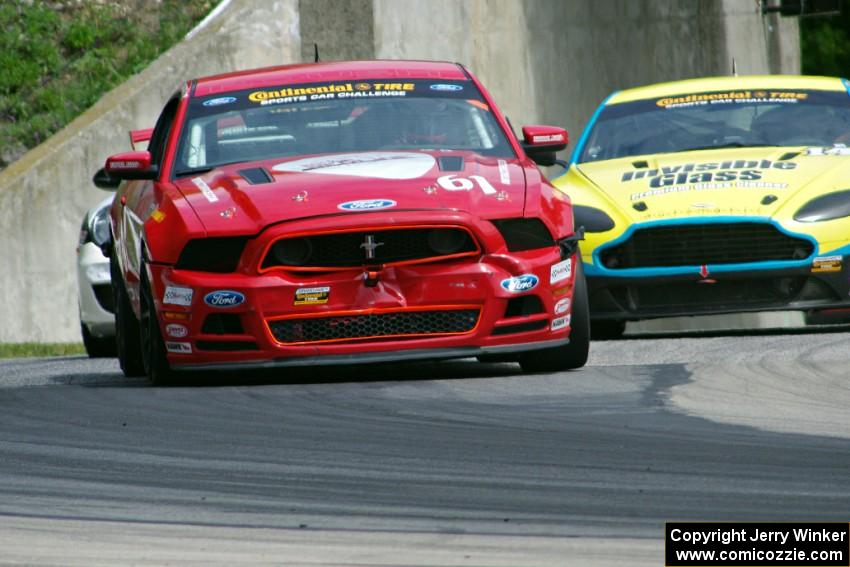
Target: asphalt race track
point(453, 463)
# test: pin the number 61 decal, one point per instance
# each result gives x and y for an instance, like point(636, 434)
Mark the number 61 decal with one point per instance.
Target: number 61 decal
point(453, 183)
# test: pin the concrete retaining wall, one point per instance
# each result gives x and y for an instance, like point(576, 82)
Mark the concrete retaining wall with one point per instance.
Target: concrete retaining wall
point(545, 61)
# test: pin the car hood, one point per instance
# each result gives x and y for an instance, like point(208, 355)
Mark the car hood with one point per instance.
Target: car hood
point(245, 198)
point(741, 181)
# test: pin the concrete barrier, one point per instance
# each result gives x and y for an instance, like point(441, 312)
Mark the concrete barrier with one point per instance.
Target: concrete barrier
point(545, 61)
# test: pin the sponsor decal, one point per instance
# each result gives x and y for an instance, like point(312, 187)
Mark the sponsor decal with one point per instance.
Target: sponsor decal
point(560, 323)
point(179, 348)
point(504, 172)
point(177, 295)
point(519, 284)
point(380, 165)
point(746, 174)
point(827, 264)
point(444, 87)
point(224, 298)
point(311, 295)
point(731, 97)
point(205, 189)
point(562, 306)
point(157, 215)
point(547, 138)
point(367, 205)
point(332, 91)
point(561, 271)
point(228, 213)
point(176, 331)
point(219, 101)
point(125, 164)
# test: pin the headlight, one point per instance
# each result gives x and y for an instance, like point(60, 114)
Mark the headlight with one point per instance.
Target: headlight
point(593, 220)
point(216, 254)
point(99, 226)
point(292, 251)
point(826, 207)
point(96, 227)
point(524, 234)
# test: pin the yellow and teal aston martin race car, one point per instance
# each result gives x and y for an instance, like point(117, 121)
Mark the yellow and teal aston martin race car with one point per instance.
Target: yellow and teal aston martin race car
point(715, 195)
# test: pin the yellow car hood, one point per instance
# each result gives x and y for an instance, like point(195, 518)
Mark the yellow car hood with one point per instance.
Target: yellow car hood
point(764, 181)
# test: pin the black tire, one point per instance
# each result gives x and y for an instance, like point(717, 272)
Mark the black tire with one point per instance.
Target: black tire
point(127, 342)
point(574, 354)
point(154, 356)
point(607, 330)
point(97, 347)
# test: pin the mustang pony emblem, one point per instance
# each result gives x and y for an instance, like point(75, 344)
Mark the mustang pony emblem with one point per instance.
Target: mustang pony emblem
point(370, 246)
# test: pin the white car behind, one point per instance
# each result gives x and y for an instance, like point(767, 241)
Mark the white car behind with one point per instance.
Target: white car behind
point(97, 307)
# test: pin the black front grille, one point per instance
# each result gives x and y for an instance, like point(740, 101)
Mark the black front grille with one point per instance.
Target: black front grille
point(700, 244)
point(690, 296)
point(380, 325)
point(351, 249)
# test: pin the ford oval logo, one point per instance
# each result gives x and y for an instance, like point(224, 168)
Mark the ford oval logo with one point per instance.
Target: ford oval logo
point(525, 282)
point(224, 298)
point(443, 87)
point(220, 100)
point(367, 205)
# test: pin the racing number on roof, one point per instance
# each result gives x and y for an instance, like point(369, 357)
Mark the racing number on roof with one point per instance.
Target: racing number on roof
point(453, 183)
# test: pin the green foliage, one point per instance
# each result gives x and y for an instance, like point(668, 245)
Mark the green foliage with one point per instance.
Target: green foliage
point(825, 44)
point(20, 350)
point(58, 58)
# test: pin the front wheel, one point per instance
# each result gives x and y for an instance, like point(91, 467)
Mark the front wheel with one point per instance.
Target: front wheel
point(153, 347)
point(127, 341)
point(574, 354)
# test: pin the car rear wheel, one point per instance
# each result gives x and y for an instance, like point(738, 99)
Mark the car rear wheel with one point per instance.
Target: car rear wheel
point(97, 347)
point(574, 354)
point(153, 347)
point(127, 341)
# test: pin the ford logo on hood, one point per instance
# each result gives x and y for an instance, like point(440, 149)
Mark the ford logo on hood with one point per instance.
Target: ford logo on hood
point(518, 284)
point(224, 298)
point(367, 205)
point(219, 101)
point(443, 87)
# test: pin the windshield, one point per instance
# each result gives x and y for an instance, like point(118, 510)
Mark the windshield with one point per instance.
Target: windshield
point(333, 117)
point(719, 119)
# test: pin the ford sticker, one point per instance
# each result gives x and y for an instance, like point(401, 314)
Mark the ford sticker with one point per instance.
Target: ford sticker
point(519, 284)
point(224, 298)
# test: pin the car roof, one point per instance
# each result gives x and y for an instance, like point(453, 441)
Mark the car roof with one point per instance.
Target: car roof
point(331, 71)
point(711, 84)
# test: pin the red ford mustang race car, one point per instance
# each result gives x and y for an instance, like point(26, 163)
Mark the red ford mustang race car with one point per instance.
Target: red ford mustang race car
point(342, 213)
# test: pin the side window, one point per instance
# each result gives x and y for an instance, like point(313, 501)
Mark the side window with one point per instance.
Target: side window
point(160, 132)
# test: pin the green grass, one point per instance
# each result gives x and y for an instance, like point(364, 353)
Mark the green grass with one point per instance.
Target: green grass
point(21, 350)
point(58, 58)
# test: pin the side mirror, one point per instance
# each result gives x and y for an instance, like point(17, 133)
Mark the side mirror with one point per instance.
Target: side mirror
point(131, 165)
point(103, 180)
point(541, 142)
